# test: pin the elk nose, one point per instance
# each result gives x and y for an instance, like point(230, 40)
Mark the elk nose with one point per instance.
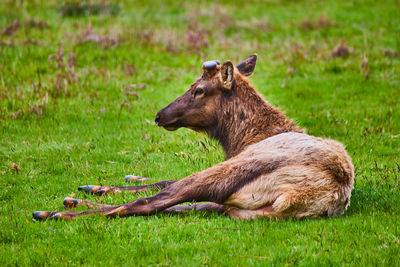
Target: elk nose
point(157, 118)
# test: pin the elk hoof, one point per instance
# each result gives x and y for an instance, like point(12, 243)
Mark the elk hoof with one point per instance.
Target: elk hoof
point(55, 217)
point(41, 215)
point(100, 192)
point(86, 188)
point(92, 189)
point(70, 202)
point(131, 178)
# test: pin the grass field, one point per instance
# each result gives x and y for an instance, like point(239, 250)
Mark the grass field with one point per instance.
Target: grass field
point(80, 86)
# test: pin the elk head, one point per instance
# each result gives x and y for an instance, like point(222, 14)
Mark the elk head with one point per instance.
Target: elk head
point(199, 107)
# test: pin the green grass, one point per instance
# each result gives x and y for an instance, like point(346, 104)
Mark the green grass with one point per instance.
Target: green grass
point(90, 131)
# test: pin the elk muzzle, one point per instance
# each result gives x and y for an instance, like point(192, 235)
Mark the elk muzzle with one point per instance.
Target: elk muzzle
point(163, 120)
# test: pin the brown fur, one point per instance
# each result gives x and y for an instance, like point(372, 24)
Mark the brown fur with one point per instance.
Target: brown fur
point(273, 169)
point(246, 118)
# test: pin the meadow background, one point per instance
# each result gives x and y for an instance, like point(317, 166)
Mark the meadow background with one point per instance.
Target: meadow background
point(81, 82)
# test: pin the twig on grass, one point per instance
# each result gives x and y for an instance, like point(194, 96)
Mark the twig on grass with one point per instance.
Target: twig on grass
point(252, 257)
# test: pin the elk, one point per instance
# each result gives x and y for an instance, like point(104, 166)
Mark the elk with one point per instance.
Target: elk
point(272, 168)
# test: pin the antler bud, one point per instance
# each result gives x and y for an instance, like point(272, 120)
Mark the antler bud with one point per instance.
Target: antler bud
point(210, 67)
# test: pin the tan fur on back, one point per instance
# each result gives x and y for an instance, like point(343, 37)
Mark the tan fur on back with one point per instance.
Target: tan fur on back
point(316, 178)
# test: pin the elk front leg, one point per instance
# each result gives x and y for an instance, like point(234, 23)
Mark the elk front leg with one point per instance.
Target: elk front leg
point(195, 188)
point(209, 207)
point(111, 210)
point(185, 190)
point(142, 206)
point(68, 215)
point(101, 190)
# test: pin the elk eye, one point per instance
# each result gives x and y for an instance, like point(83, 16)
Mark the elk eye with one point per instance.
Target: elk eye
point(199, 91)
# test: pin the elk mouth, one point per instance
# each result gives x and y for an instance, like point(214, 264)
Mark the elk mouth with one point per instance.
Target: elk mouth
point(171, 126)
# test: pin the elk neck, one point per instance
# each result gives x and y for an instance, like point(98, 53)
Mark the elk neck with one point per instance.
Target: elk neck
point(246, 118)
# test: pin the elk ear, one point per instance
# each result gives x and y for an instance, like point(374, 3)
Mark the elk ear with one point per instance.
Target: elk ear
point(247, 66)
point(227, 75)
